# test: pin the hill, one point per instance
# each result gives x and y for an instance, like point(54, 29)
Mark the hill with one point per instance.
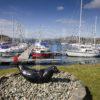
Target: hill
point(4, 38)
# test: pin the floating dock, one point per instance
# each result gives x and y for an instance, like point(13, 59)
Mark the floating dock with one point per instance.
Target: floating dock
point(5, 61)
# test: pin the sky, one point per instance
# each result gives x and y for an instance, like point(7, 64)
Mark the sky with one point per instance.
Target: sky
point(48, 18)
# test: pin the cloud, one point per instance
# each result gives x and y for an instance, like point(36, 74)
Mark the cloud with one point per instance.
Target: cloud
point(9, 13)
point(5, 22)
point(93, 4)
point(67, 21)
point(60, 8)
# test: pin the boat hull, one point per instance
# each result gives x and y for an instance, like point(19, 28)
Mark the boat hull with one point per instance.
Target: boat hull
point(41, 55)
point(82, 54)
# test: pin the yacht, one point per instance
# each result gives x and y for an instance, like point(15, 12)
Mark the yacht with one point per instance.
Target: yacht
point(83, 50)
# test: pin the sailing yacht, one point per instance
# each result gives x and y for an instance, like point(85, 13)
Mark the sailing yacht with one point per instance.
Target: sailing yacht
point(9, 49)
point(81, 50)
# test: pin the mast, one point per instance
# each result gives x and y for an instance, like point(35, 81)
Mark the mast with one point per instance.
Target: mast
point(80, 22)
point(20, 32)
point(1, 34)
point(13, 28)
point(95, 30)
point(39, 32)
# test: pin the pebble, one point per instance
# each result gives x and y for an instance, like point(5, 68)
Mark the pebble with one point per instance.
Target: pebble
point(64, 86)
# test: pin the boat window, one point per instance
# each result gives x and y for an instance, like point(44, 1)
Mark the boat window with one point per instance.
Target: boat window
point(88, 50)
point(82, 46)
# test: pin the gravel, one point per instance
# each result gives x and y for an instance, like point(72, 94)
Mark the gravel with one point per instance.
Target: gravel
point(63, 86)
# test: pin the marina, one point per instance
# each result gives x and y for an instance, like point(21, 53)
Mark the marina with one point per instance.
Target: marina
point(49, 49)
point(52, 51)
point(48, 54)
point(39, 54)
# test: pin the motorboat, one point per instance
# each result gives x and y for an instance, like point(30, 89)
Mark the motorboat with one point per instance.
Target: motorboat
point(40, 51)
point(9, 49)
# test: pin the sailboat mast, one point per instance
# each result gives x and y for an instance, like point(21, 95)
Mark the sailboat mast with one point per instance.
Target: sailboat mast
point(80, 22)
point(40, 31)
point(13, 28)
point(1, 34)
point(95, 30)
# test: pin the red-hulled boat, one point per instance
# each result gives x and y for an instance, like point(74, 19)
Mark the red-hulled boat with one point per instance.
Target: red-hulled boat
point(41, 55)
point(40, 51)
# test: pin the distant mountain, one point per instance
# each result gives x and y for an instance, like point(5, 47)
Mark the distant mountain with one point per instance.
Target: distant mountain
point(74, 39)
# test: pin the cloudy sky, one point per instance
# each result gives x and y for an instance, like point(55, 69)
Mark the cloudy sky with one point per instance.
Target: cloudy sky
point(48, 18)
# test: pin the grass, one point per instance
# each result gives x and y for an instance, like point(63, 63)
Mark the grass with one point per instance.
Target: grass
point(8, 71)
point(88, 74)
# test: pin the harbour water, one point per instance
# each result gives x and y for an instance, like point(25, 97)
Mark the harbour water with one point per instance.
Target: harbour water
point(64, 59)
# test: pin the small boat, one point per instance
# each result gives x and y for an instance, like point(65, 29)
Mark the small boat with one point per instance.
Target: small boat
point(4, 47)
point(40, 51)
point(9, 49)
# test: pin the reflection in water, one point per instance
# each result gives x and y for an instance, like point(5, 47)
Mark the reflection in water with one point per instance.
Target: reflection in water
point(81, 60)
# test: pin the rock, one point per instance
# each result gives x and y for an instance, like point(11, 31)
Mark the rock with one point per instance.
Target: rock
point(63, 86)
point(78, 94)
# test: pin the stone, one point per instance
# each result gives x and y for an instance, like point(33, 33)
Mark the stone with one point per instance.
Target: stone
point(78, 93)
point(15, 87)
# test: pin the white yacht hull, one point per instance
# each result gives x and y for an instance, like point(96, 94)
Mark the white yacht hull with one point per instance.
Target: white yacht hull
point(82, 54)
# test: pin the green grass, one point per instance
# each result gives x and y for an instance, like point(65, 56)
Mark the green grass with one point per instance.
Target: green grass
point(88, 74)
point(8, 71)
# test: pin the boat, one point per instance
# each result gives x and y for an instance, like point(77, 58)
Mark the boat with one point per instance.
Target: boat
point(40, 51)
point(18, 48)
point(83, 50)
point(9, 49)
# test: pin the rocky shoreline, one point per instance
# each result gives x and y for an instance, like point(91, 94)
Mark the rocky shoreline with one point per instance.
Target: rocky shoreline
point(63, 86)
